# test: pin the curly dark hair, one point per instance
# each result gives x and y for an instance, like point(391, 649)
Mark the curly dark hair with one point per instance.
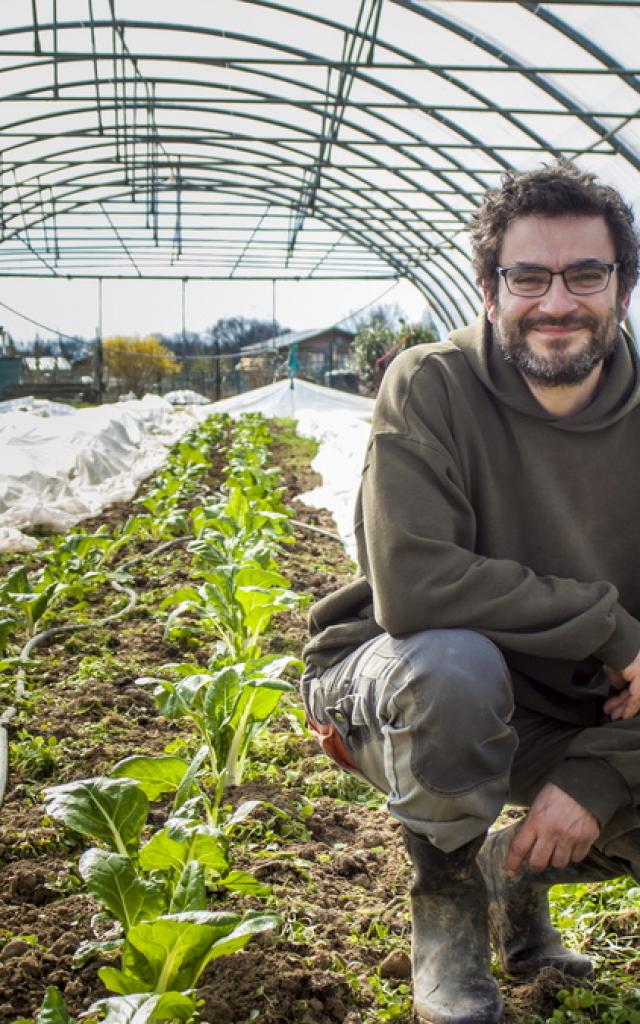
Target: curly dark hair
point(559, 190)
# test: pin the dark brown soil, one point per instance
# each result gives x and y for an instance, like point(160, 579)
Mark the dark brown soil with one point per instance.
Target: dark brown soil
point(334, 860)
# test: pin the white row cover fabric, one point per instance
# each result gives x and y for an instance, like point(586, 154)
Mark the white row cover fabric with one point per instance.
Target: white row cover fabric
point(60, 466)
point(341, 422)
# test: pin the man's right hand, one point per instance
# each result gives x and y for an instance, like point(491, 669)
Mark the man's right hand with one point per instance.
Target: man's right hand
point(626, 703)
point(556, 831)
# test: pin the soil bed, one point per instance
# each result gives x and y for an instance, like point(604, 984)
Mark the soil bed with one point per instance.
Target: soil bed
point(331, 854)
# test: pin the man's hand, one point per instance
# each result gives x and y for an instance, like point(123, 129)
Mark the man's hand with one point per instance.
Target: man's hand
point(626, 703)
point(556, 831)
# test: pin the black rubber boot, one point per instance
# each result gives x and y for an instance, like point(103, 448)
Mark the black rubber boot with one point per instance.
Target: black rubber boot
point(450, 950)
point(519, 920)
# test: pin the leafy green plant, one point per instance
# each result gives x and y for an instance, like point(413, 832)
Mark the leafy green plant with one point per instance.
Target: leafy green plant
point(233, 530)
point(156, 890)
point(581, 1005)
point(79, 559)
point(23, 602)
point(168, 954)
point(140, 1008)
point(228, 707)
point(234, 603)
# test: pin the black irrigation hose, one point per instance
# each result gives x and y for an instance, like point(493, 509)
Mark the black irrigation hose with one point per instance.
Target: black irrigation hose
point(156, 551)
point(317, 529)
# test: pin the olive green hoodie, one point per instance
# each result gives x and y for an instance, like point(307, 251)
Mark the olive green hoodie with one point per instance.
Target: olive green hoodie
point(480, 510)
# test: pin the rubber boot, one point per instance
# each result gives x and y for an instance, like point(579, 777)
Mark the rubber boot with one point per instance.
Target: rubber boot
point(450, 950)
point(519, 920)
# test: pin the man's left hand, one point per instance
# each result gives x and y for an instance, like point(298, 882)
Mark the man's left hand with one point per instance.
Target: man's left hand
point(626, 703)
point(556, 831)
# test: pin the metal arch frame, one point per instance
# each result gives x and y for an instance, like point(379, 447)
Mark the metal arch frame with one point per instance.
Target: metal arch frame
point(330, 212)
point(381, 86)
point(398, 269)
point(398, 147)
point(522, 69)
point(273, 44)
point(359, 235)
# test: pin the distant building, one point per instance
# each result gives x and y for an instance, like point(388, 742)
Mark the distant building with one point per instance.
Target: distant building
point(318, 352)
point(39, 367)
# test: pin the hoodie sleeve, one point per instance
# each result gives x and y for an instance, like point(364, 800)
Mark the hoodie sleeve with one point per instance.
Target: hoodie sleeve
point(416, 535)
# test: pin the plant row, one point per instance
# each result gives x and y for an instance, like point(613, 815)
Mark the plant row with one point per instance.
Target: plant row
point(154, 885)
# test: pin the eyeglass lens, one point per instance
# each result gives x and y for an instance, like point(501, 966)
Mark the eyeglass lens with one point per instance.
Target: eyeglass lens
point(580, 280)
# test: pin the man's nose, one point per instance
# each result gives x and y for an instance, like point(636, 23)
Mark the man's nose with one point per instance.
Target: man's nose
point(558, 300)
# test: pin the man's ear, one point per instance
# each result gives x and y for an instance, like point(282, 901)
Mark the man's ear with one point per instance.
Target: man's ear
point(623, 306)
point(490, 302)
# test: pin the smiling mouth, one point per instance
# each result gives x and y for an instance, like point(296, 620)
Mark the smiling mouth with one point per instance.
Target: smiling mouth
point(557, 329)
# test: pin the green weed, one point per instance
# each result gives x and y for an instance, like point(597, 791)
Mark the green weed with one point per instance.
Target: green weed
point(33, 756)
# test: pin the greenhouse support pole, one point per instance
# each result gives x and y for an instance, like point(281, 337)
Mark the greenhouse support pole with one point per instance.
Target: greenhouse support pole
point(99, 356)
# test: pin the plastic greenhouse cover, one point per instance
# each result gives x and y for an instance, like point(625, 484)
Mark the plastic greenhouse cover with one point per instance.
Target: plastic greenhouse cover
point(297, 139)
point(61, 466)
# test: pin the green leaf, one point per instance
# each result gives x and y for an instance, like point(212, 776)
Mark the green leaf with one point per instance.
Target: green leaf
point(54, 1009)
point(113, 882)
point(144, 1007)
point(155, 775)
point(186, 596)
point(266, 579)
point(178, 947)
point(208, 849)
point(253, 923)
point(7, 627)
point(206, 843)
point(242, 881)
point(17, 582)
point(189, 893)
point(220, 699)
point(123, 982)
point(179, 698)
point(162, 853)
point(273, 665)
point(188, 784)
point(246, 809)
point(92, 948)
point(237, 506)
point(183, 840)
point(110, 810)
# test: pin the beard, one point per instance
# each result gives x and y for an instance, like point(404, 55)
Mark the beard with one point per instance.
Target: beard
point(558, 366)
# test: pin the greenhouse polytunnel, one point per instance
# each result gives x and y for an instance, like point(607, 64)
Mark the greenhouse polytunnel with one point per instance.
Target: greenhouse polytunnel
point(175, 846)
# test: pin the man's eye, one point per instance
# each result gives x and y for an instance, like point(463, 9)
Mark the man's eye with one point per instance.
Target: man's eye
point(587, 275)
point(528, 278)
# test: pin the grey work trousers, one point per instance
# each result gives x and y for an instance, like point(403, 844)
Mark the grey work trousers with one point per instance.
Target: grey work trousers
point(428, 719)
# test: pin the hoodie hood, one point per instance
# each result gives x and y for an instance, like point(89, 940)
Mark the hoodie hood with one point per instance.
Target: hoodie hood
point(618, 396)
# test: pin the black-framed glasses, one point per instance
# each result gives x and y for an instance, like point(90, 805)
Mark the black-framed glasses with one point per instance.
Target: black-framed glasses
point(531, 282)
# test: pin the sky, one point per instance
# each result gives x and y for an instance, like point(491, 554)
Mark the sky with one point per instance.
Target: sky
point(142, 307)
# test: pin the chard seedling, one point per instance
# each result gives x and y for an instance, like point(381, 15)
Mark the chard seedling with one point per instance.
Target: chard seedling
point(228, 708)
point(170, 953)
point(23, 603)
point(234, 603)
